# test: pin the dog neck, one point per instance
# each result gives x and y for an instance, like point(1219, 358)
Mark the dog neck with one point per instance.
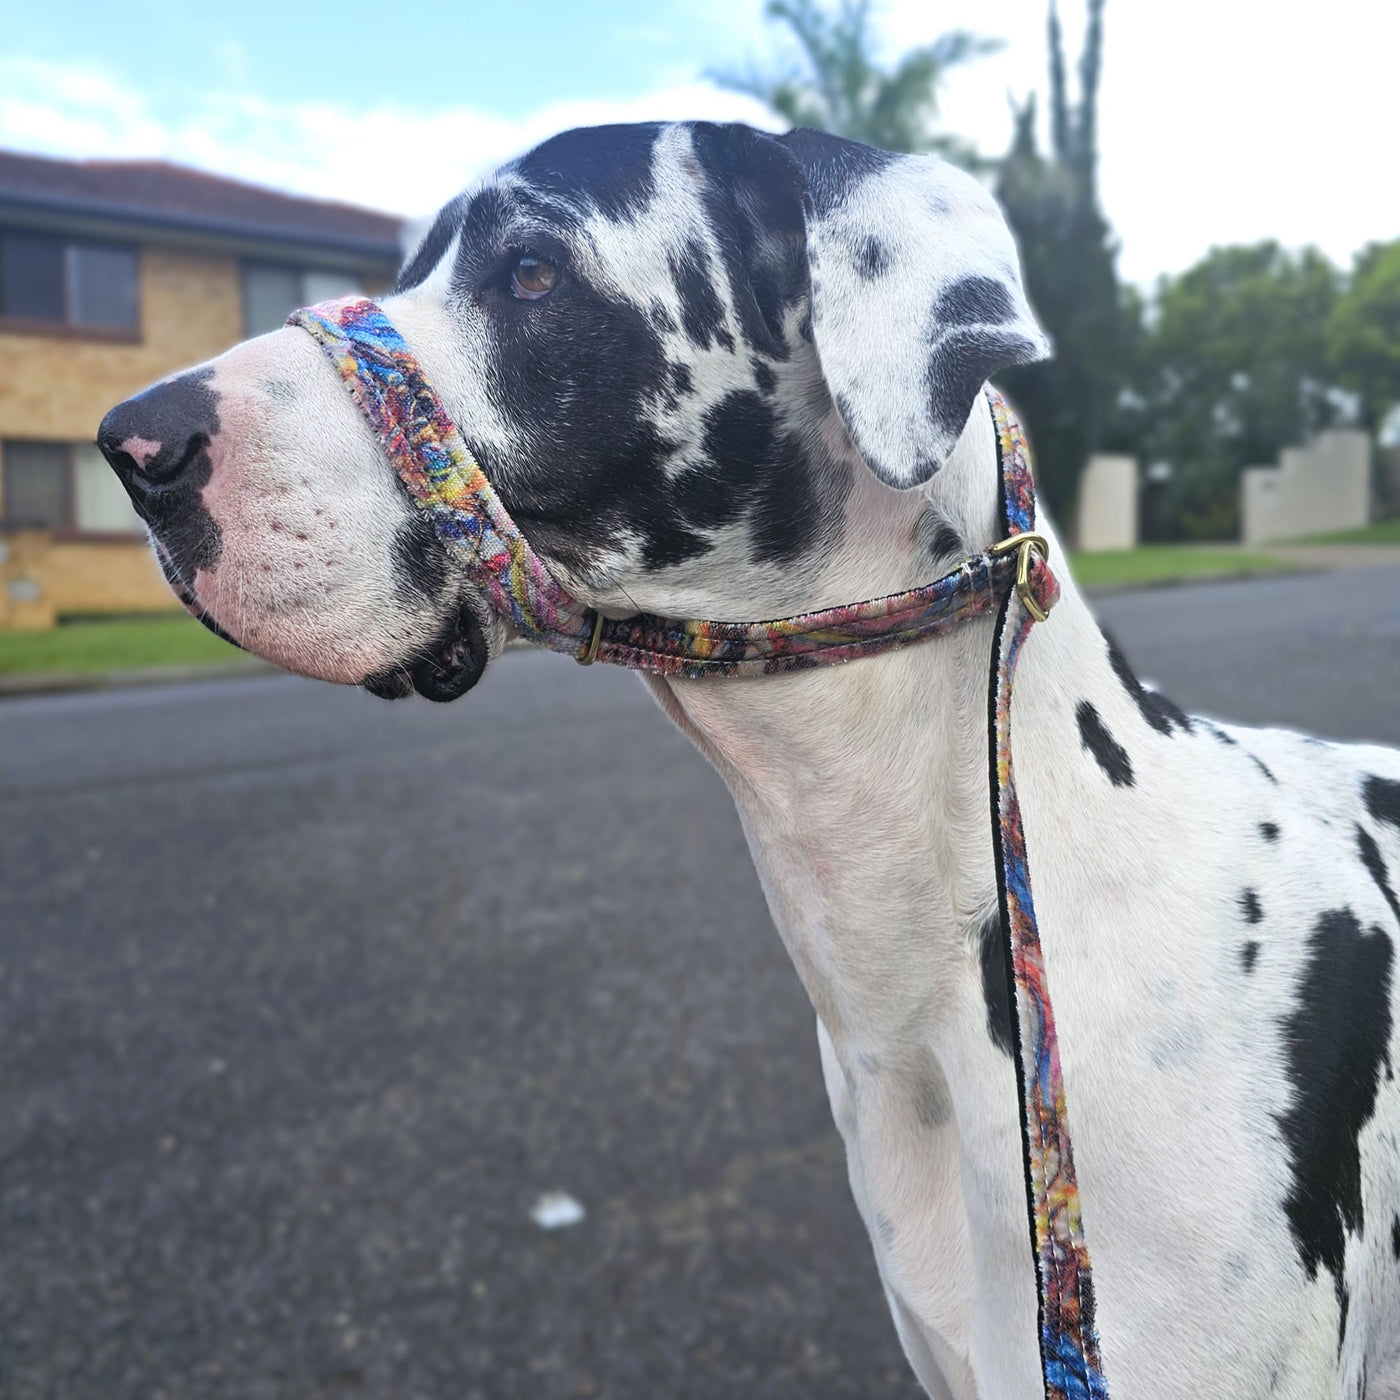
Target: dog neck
point(863, 791)
point(863, 788)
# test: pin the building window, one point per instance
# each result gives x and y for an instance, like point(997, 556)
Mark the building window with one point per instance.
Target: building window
point(272, 290)
point(68, 282)
point(102, 286)
point(38, 484)
point(62, 486)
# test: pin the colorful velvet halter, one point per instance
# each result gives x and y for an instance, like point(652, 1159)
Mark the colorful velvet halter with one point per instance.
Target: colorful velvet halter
point(429, 455)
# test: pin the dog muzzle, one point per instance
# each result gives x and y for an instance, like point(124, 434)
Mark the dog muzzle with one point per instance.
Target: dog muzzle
point(427, 451)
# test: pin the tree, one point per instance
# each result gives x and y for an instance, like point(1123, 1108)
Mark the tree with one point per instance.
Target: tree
point(1363, 332)
point(1071, 403)
point(1235, 368)
point(838, 85)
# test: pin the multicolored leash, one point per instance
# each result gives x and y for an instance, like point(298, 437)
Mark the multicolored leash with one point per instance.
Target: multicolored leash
point(431, 457)
point(1069, 1344)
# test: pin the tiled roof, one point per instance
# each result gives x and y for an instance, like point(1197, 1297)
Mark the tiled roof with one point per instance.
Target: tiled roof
point(158, 192)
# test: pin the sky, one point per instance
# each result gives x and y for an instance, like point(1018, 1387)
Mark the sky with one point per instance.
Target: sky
point(1215, 128)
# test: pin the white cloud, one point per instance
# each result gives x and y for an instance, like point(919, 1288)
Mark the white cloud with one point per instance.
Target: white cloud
point(1219, 123)
point(390, 157)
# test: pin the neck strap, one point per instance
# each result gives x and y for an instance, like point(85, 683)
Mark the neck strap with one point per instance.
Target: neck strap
point(427, 451)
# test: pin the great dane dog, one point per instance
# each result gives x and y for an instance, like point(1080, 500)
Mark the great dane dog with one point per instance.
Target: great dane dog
point(717, 373)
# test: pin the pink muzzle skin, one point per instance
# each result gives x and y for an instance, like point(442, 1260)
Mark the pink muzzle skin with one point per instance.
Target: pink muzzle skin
point(427, 451)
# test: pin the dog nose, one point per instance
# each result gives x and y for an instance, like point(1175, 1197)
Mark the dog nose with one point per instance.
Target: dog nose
point(154, 438)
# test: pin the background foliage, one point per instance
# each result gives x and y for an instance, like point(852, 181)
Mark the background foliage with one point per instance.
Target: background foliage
point(1255, 348)
point(836, 83)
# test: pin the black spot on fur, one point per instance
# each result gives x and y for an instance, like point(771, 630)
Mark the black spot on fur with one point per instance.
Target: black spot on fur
point(1249, 907)
point(1269, 830)
point(1218, 734)
point(1162, 714)
point(575, 375)
point(751, 471)
point(182, 414)
point(1108, 753)
point(1395, 1237)
point(662, 319)
point(608, 168)
point(974, 301)
point(1374, 862)
point(435, 243)
point(937, 538)
point(702, 315)
point(421, 560)
point(872, 259)
point(832, 165)
point(992, 955)
point(1263, 767)
point(753, 204)
point(932, 1104)
point(1336, 1042)
point(1383, 800)
point(1344, 1303)
point(960, 359)
point(764, 377)
point(1248, 955)
point(767, 468)
point(681, 379)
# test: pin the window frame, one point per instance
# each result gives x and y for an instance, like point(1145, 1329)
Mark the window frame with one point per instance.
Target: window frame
point(69, 531)
point(67, 328)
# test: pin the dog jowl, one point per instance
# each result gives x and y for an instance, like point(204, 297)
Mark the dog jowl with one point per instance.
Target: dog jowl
point(672, 348)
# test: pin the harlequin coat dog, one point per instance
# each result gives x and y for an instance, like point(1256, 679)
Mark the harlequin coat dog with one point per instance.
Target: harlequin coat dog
point(716, 373)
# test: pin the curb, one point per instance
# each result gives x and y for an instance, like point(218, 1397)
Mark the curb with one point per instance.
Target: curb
point(1289, 570)
point(57, 682)
point(18, 684)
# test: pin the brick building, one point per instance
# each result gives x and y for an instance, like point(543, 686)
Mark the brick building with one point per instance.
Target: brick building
point(112, 274)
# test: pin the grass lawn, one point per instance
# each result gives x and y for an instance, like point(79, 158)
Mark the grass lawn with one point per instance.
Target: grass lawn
point(139, 643)
point(1381, 532)
point(122, 644)
point(1168, 563)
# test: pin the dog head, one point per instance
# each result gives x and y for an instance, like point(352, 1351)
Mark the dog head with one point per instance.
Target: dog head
point(670, 347)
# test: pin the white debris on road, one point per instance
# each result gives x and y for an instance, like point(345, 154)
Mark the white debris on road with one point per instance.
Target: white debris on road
point(556, 1210)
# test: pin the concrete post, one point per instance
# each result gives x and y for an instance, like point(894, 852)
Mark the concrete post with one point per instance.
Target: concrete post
point(1314, 490)
point(1108, 503)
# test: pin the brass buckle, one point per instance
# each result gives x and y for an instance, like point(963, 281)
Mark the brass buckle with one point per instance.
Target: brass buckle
point(1026, 544)
point(590, 652)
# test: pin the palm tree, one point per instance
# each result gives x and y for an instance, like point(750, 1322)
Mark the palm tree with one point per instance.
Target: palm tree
point(839, 86)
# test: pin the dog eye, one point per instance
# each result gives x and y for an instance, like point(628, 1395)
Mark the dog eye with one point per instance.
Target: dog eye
point(532, 277)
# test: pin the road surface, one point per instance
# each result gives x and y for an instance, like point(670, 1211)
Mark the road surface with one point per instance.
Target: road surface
point(308, 998)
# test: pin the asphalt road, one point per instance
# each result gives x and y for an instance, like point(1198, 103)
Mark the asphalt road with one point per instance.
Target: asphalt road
point(306, 999)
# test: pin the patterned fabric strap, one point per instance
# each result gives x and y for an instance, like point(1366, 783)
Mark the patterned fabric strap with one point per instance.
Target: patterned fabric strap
point(1069, 1344)
point(430, 456)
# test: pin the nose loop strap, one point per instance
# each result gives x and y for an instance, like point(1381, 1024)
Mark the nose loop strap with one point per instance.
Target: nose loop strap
point(431, 458)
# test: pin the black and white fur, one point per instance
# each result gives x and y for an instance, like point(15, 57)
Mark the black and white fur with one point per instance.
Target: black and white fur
point(754, 389)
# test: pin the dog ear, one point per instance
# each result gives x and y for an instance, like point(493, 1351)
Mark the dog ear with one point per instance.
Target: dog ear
point(916, 297)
